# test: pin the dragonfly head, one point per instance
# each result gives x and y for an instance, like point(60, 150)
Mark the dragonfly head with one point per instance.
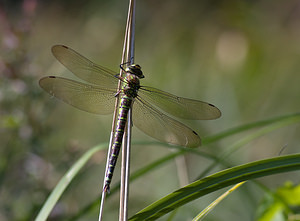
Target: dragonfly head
point(135, 69)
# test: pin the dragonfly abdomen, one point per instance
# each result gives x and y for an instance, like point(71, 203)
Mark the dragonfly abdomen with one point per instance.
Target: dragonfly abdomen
point(124, 107)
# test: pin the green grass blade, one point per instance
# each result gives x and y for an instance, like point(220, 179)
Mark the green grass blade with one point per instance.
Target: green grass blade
point(218, 181)
point(293, 118)
point(211, 206)
point(65, 181)
point(270, 125)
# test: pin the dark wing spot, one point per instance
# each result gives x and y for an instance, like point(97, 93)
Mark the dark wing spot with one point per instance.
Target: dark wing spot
point(195, 133)
point(65, 46)
point(52, 77)
point(212, 105)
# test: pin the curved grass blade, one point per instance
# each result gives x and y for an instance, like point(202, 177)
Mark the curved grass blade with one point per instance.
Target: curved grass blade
point(90, 98)
point(162, 127)
point(293, 118)
point(84, 68)
point(218, 181)
point(272, 125)
point(65, 180)
point(179, 107)
point(211, 206)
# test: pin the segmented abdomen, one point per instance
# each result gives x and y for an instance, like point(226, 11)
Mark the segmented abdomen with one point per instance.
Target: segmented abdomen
point(125, 104)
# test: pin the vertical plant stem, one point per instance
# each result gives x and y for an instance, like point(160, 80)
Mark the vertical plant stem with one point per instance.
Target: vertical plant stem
point(127, 57)
point(125, 168)
point(182, 170)
point(125, 171)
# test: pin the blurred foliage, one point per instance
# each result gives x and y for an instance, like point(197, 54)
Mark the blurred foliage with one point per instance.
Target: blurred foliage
point(242, 56)
point(282, 204)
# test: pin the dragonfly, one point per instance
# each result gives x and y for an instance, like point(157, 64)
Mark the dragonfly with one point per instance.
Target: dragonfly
point(150, 107)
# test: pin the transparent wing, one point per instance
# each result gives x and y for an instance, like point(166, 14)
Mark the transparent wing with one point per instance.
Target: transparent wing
point(84, 68)
point(179, 107)
point(161, 127)
point(85, 97)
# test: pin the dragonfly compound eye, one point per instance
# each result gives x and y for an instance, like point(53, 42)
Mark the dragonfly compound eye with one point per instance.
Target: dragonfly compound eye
point(136, 70)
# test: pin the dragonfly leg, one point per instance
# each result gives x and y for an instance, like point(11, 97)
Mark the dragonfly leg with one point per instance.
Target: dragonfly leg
point(128, 62)
point(121, 66)
point(121, 78)
point(117, 94)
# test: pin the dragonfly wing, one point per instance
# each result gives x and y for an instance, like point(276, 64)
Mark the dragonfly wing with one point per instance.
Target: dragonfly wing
point(85, 97)
point(179, 107)
point(84, 68)
point(161, 127)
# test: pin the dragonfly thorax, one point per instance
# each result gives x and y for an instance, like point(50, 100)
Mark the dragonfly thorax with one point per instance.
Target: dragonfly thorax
point(132, 85)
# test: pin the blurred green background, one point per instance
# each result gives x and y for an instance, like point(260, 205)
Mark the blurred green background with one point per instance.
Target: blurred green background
point(242, 56)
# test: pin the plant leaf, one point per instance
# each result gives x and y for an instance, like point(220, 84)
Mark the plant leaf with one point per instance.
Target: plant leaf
point(65, 180)
point(218, 181)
